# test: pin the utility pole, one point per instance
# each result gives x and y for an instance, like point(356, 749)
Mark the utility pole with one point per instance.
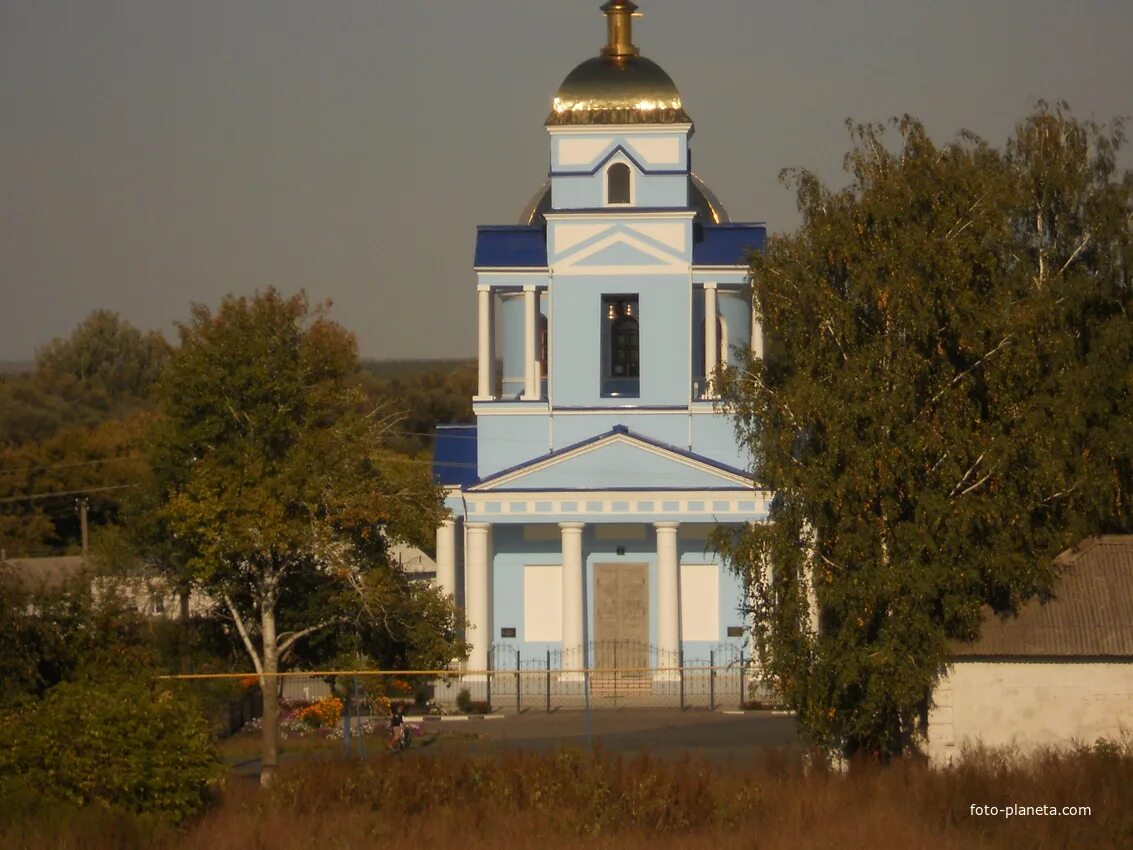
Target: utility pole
point(83, 526)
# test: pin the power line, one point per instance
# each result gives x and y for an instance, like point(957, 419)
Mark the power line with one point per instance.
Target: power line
point(35, 496)
point(68, 465)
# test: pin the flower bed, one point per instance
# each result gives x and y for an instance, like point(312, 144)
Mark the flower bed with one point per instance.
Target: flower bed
point(323, 719)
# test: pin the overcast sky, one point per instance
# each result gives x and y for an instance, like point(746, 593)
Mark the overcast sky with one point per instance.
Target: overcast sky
point(155, 153)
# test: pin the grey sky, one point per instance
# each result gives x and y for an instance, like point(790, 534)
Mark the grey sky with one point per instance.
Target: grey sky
point(155, 153)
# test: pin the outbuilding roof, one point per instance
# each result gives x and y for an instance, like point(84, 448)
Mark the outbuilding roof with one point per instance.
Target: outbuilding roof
point(1091, 614)
point(46, 572)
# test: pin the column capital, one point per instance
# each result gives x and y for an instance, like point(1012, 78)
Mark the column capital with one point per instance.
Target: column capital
point(484, 287)
point(530, 287)
point(666, 526)
point(572, 526)
point(478, 526)
point(711, 284)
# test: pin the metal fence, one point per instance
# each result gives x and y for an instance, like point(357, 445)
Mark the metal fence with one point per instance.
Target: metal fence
point(598, 675)
point(603, 675)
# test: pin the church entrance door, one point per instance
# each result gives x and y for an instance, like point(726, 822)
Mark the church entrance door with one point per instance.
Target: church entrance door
point(621, 628)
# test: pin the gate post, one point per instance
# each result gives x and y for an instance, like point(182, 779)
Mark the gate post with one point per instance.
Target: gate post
point(681, 662)
point(346, 723)
point(548, 682)
point(711, 680)
point(361, 730)
point(518, 707)
point(741, 679)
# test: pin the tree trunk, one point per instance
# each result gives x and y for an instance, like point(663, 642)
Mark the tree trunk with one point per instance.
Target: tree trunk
point(183, 619)
point(269, 683)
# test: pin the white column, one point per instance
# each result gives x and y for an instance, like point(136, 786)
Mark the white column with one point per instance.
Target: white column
point(486, 355)
point(668, 598)
point(530, 324)
point(477, 597)
point(574, 633)
point(710, 344)
point(446, 557)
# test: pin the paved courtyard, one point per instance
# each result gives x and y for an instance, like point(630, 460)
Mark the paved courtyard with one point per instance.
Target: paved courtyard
point(665, 733)
point(720, 737)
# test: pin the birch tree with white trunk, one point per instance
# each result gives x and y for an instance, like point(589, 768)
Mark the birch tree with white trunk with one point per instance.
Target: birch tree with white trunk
point(943, 407)
point(271, 476)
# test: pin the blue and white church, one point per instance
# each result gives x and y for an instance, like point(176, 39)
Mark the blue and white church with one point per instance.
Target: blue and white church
point(582, 499)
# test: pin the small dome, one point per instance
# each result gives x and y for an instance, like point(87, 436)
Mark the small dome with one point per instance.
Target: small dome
point(619, 86)
point(633, 90)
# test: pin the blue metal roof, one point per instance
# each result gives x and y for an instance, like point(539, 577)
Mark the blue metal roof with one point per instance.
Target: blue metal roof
point(525, 246)
point(725, 244)
point(454, 455)
point(511, 246)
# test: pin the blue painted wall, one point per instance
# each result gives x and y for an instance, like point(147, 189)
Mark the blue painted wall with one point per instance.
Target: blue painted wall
point(509, 342)
point(507, 440)
point(576, 335)
point(735, 310)
point(512, 553)
point(587, 191)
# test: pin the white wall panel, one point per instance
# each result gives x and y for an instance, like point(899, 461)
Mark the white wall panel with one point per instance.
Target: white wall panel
point(700, 602)
point(671, 234)
point(581, 151)
point(543, 603)
point(655, 151)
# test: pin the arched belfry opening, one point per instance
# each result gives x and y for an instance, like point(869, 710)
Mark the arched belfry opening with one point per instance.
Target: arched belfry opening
point(618, 179)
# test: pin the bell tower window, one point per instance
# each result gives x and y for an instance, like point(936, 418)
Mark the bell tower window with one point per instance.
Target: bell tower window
point(621, 361)
point(618, 184)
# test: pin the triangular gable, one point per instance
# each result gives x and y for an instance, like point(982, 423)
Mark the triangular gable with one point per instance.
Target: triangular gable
point(623, 251)
point(616, 460)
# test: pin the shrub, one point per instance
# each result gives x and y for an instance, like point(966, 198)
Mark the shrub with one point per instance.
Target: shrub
point(464, 700)
point(325, 712)
point(423, 693)
point(117, 744)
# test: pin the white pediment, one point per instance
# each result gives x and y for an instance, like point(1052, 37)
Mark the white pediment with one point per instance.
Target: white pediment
point(617, 460)
point(623, 252)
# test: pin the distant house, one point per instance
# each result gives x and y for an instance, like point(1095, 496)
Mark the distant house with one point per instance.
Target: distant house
point(1059, 672)
point(44, 573)
point(413, 561)
point(151, 594)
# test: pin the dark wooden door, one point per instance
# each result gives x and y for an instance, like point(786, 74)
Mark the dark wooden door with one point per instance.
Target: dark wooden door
point(621, 617)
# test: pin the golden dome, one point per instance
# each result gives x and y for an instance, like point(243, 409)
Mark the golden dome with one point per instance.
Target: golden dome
point(620, 86)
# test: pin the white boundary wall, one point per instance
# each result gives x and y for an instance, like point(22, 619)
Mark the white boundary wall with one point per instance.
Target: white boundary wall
point(1029, 704)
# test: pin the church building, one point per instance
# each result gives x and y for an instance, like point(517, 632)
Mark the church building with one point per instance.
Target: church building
point(582, 499)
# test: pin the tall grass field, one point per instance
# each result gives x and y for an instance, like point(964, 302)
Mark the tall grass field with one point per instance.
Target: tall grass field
point(583, 799)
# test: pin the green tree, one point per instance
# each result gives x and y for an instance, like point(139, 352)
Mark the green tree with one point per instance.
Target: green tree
point(272, 482)
point(949, 408)
point(60, 633)
point(106, 357)
point(114, 742)
point(101, 463)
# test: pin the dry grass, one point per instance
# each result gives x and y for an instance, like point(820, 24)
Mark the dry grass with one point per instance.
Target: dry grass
point(572, 799)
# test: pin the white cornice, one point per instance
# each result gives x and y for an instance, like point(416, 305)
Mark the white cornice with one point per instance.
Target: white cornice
point(617, 129)
point(515, 270)
point(637, 213)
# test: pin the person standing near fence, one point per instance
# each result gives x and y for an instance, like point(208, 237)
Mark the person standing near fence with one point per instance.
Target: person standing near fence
point(396, 724)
